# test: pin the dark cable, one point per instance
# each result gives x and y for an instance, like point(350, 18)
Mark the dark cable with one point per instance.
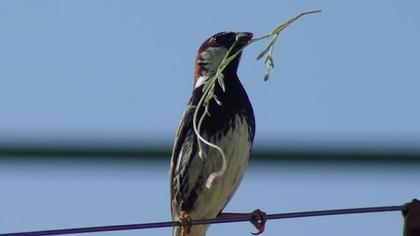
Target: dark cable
point(244, 217)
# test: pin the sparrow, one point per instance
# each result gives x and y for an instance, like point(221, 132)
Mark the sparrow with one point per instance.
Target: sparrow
point(230, 124)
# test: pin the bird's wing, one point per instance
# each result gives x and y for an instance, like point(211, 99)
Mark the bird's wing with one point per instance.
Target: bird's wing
point(185, 131)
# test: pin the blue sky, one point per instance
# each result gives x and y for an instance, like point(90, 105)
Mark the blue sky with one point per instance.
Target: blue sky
point(83, 72)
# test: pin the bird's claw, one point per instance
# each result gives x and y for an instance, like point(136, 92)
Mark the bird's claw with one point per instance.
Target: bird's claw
point(185, 222)
point(258, 219)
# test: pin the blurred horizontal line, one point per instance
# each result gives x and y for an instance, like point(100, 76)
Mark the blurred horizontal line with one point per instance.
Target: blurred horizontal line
point(257, 155)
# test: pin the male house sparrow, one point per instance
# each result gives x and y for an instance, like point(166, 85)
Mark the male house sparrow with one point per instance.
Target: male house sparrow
point(230, 125)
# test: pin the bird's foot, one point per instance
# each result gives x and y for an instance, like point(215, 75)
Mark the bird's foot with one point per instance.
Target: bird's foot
point(185, 222)
point(257, 218)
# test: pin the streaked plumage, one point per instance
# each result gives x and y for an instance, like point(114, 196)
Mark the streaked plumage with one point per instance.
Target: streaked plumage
point(231, 126)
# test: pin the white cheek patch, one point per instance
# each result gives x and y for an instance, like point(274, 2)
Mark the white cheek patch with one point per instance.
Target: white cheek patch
point(211, 58)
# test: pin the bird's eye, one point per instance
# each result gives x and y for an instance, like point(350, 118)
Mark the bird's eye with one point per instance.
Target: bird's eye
point(212, 40)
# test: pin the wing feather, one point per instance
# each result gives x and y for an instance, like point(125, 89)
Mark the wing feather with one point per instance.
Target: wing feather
point(184, 132)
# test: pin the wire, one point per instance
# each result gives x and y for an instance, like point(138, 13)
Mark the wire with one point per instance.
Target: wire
point(240, 218)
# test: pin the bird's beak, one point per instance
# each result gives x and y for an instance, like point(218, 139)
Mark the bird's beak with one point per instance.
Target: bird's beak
point(244, 37)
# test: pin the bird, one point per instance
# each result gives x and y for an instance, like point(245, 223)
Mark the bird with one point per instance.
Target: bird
point(229, 124)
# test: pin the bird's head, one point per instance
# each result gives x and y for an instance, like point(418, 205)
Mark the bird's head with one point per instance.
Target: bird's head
point(212, 52)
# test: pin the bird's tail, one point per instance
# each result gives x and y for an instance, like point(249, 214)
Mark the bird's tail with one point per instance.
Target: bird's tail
point(196, 230)
point(176, 231)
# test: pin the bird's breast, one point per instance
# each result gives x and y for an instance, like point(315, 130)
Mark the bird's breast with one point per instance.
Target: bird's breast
point(236, 145)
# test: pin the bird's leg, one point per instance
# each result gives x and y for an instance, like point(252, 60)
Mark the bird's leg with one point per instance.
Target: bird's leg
point(257, 218)
point(185, 223)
